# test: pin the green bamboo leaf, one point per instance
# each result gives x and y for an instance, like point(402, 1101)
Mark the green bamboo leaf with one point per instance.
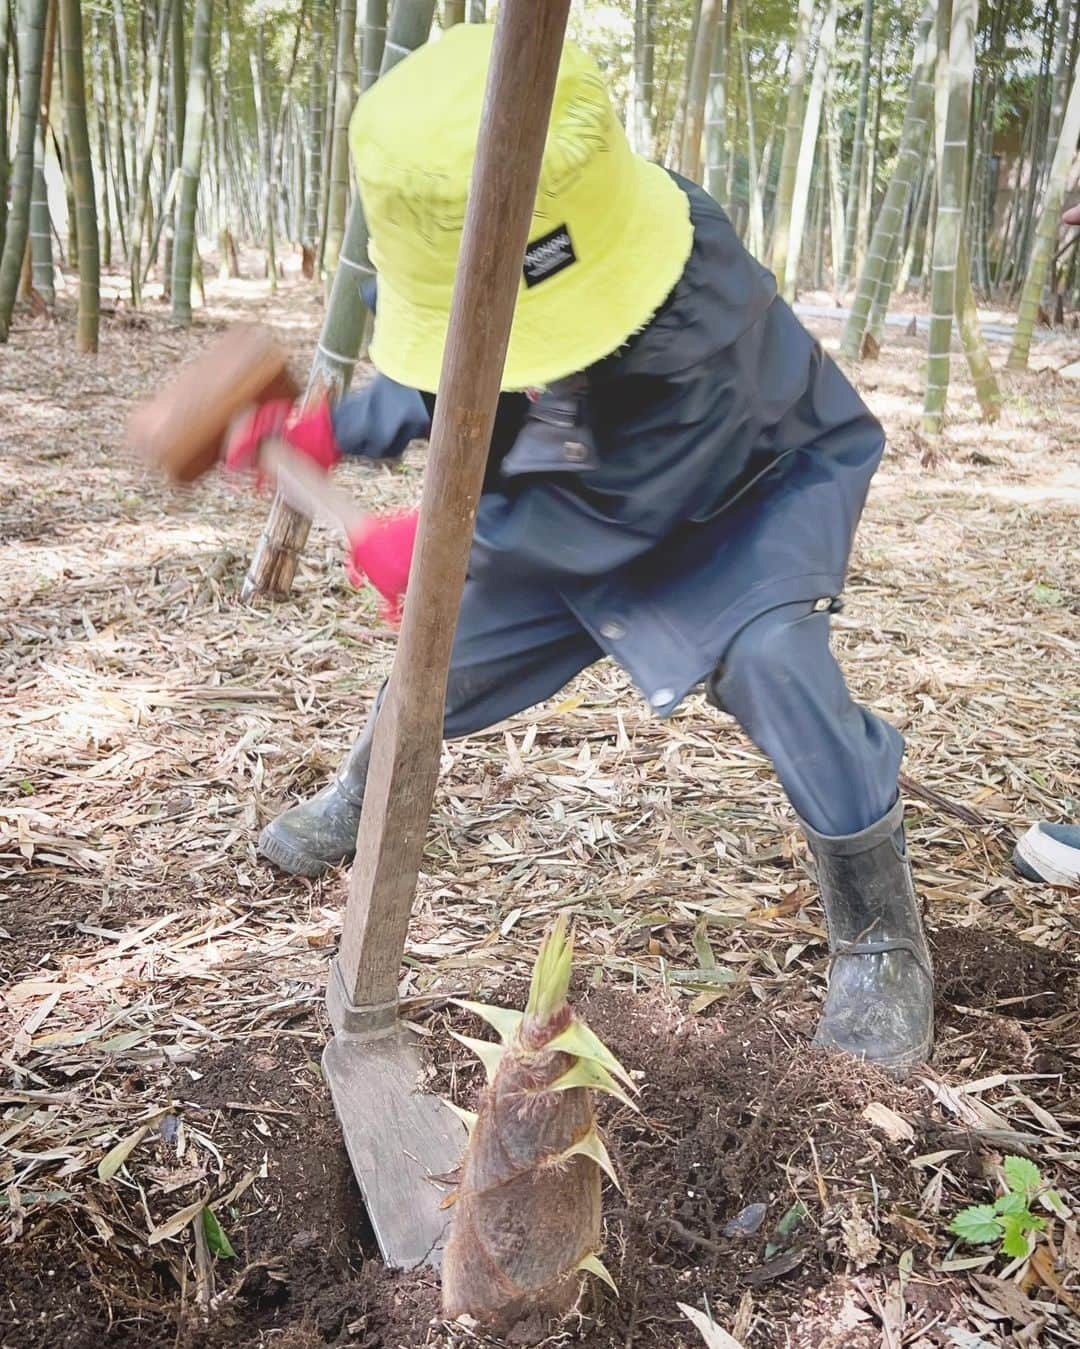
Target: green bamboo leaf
point(787, 1225)
point(551, 975)
point(594, 1076)
point(592, 1145)
point(591, 1264)
point(467, 1117)
point(28, 1197)
point(115, 1158)
point(704, 979)
point(215, 1238)
point(503, 1020)
point(1041, 593)
point(702, 945)
point(487, 1051)
point(119, 1044)
point(1054, 1203)
point(579, 1040)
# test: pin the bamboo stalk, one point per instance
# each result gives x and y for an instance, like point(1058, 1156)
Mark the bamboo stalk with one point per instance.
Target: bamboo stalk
point(40, 256)
point(117, 155)
point(5, 167)
point(807, 150)
point(956, 63)
point(917, 226)
point(257, 61)
point(273, 565)
point(125, 84)
point(38, 263)
point(1046, 232)
point(337, 208)
point(1040, 117)
point(81, 170)
point(644, 76)
point(101, 119)
point(145, 152)
point(673, 147)
point(837, 227)
point(705, 39)
point(914, 142)
point(817, 216)
point(716, 129)
point(31, 34)
point(184, 249)
point(326, 150)
point(756, 221)
point(374, 42)
point(177, 96)
point(858, 147)
point(975, 348)
point(789, 163)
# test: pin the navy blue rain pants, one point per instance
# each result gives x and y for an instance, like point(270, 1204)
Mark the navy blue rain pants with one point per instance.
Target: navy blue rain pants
point(837, 762)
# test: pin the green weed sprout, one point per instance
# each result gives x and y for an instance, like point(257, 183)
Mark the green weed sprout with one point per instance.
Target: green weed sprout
point(1009, 1221)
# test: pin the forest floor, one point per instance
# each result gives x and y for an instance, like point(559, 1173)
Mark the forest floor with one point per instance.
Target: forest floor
point(162, 1016)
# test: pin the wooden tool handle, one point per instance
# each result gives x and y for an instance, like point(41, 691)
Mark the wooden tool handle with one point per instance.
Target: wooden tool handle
point(408, 735)
point(307, 489)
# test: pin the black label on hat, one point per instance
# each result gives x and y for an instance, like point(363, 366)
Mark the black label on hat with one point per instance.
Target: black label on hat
point(549, 255)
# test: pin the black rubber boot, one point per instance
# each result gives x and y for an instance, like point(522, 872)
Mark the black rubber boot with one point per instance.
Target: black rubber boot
point(880, 1004)
point(311, 838)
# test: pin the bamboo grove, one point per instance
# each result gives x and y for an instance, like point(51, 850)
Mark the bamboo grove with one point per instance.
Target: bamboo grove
point(868, 150)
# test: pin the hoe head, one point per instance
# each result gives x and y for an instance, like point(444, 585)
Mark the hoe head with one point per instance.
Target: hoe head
point(403, 1143)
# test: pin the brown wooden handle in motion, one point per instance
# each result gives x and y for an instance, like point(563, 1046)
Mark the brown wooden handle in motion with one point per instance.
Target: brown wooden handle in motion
point(405, 755)
point(308, 489)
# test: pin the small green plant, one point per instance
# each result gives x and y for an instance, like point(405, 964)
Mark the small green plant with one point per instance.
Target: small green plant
point(215, 1235)
point(1009, 1220)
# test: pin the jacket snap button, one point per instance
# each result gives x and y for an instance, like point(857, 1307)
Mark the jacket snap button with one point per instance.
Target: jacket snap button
point(575, 452)
point(823, 604)
point(662, 697)
point(612, 631)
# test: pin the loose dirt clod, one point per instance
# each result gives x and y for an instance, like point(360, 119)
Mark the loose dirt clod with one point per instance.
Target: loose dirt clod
point(527, 1218)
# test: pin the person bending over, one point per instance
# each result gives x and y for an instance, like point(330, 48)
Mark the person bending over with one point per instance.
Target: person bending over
point(674, 480)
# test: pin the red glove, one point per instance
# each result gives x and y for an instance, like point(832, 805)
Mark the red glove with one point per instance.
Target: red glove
point(312, 433)
point(380, 551)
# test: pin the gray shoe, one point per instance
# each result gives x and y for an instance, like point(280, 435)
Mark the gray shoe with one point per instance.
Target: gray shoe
point(880, 1004)
point(311, 838)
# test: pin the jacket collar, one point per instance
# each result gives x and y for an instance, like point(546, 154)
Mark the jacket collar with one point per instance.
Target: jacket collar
point(722, 292)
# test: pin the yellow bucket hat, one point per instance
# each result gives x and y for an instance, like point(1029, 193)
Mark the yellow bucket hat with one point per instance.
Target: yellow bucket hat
point(610, 233)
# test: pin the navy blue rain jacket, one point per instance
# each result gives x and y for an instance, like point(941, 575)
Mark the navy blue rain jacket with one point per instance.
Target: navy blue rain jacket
point(711, 469)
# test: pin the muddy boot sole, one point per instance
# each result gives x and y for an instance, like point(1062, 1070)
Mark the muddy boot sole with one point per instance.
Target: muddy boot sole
point(899, 1066)
point(295, 860)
